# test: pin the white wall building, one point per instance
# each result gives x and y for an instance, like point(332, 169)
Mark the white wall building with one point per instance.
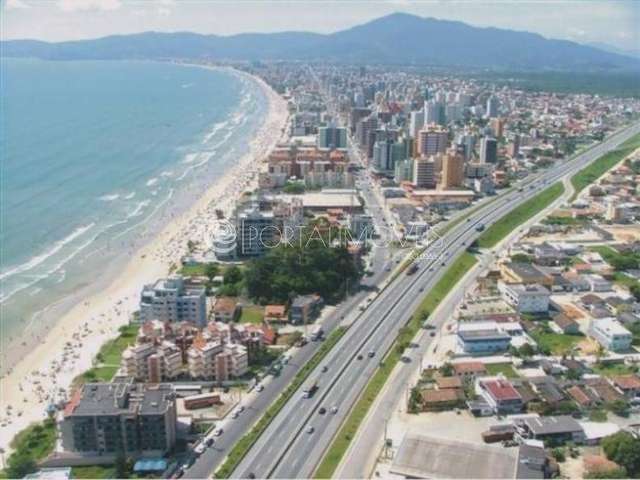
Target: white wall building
point(610, 334)
point(525, 298)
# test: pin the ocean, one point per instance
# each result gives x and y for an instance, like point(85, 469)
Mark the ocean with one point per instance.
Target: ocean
point(95, 156)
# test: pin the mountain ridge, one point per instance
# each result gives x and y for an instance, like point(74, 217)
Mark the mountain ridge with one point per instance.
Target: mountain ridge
point(398, 38)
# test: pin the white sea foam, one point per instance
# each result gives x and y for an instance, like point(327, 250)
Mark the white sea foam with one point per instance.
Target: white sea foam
point(38, 259)
point(166, 173)
point(190, 158)
point(152, 182)
point(130, 196)
point(109, 198)
point(215, 129)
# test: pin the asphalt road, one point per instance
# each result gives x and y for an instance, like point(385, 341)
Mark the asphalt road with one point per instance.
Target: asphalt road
point(286, 449)
point(257, 403)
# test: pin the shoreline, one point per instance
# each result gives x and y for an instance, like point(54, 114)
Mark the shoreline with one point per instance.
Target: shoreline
point(67, 348)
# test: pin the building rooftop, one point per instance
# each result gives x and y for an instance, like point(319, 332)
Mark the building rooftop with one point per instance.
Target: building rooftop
point(117, 398)
point(501, 390)
point(425, 457)
point(552, 425)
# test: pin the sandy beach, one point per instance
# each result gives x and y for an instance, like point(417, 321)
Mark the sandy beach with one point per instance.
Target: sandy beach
point(44, 373)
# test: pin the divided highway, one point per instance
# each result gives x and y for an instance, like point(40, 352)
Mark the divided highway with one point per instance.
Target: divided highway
point(296, 439)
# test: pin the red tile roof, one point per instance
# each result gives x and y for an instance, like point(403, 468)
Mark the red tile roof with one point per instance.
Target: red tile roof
point(501, 390)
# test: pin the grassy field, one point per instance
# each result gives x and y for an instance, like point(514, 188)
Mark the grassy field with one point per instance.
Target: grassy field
point(241, 448)
point(253, 314)
point(94, 471)
point(556, 343)
point(595, 170)
point(349, 428)
point(608, 370)
point(521, 214)
point(108, 358)
point(504, 368)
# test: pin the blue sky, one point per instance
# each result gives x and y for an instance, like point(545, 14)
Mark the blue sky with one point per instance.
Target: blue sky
point(608, 21)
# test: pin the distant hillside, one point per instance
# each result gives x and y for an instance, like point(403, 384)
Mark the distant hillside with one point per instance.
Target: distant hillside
point(395, 39)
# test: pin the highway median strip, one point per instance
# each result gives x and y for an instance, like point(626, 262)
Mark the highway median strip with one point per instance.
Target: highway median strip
point(520, 215)
point(242, 447)
point(347, 432)
point(602, 165)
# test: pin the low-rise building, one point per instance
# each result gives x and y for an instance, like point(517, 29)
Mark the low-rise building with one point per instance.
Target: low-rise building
point(530, 298)
point(472, 370)
point(524, 273)
point(500, 394)
point(628, 385)
point(226, 309)
point(610, 334)
point(151, 362)
point(275, 313)
point(304, 309)
point(482, 338)
point(213, 360)
point(558, 429)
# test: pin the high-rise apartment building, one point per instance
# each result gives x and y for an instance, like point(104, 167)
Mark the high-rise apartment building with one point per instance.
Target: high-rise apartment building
point(424, 173)
point(453, 166)
point(173, 300)
point(432, 140)
point(109, 418)
point(488, 150)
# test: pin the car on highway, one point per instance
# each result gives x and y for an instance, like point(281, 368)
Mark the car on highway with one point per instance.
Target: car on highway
point(322, 411)
point(260, 387)
point(433, 334)
point(210, 441)
point(324, 368)
point(371, 354)
point(199, 450)
point(359, 357)
point(334, 409)
point(310, 430)
point(218, 431)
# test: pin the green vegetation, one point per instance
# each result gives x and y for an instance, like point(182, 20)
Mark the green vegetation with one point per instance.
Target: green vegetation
point(252, 314)
point(519, 215)
point(610, 369)
point(241, 448)
point(94, 471)
point(349, 428)
point(505, 369)
point(232, 283)
point(601, 83)
point(309, 266)
point(293, 188)
point(553, 220)
point(107, 360)
point(624, 449)
point(31, 445)
point(595, 170)
point(598, 415)
point(551, 343)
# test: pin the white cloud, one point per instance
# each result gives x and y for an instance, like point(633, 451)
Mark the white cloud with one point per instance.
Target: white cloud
point(86, 5)
point(164, 11)
point(16, 5)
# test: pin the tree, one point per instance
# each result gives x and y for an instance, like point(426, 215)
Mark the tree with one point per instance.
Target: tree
point(20, 464)
point(211, 270)
point(619, 407)
point(624, 449)
point(233, 275)
point(415, 400)
point(446, 370)
point(521, 258)
point(121, 466)
point(612, 473)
